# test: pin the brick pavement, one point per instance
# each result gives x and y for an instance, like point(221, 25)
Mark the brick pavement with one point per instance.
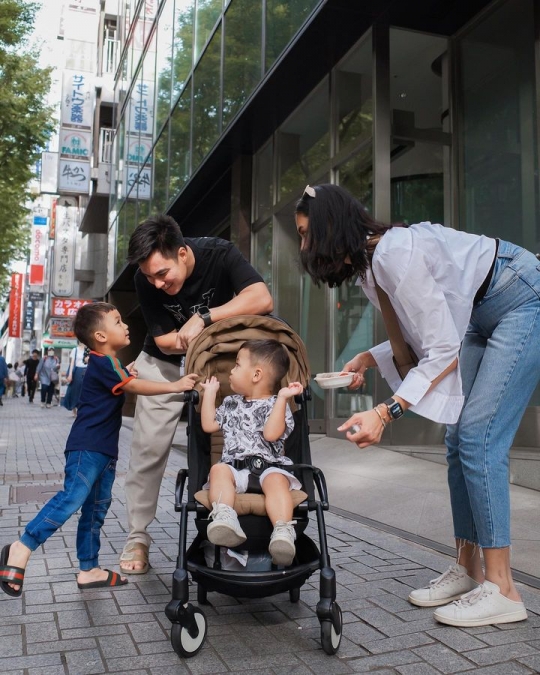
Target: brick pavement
point(55, 629)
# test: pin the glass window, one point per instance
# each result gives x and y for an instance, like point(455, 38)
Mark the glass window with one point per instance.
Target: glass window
point(164, 58)
point(183, 44)
point(121, 243)
point(207, 100)
point(263, 253)
point(180, 150)
point(161, 165)
point(283, 19)
point(499, 141)
point(242, 63)
point(207, 14)
point(352, 313)
point(146, 114)
point(354, 84)
point(304, 142)
point(264, 181)
point(420, 151)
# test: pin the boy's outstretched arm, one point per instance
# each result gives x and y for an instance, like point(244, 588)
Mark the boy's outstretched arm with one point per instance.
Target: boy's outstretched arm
point(208, 406)
point(152, 388)
point(275, 424)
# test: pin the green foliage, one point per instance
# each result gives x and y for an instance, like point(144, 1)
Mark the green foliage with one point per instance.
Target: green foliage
point(25, 125)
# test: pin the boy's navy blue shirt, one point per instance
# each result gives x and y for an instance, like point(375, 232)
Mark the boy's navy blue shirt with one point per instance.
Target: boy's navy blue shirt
point(99, 412)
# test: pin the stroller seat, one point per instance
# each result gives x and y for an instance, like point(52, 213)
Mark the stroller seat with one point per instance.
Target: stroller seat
point(213, 353)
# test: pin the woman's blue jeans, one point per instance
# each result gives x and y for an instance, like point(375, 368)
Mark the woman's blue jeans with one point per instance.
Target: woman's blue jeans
point(500, 367)
point(89, 477)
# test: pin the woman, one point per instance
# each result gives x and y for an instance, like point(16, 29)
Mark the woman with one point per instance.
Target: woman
point(74, 376)
point(47, 374)
point(455, 295)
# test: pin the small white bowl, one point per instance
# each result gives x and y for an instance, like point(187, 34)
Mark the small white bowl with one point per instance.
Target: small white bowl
point(333, 380)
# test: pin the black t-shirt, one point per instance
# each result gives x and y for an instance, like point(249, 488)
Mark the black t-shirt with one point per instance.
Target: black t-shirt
point(30, 367)
point(220, 272)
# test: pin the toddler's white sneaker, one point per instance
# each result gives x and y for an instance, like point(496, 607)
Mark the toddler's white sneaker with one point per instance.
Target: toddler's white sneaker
point(224, 530)
point(282, 548)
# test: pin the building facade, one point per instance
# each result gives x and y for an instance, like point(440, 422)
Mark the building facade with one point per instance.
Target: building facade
point(226, 109)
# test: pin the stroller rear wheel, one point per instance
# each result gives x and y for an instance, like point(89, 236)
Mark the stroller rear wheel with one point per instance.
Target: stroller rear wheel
point(330, 634)
point(187, 641)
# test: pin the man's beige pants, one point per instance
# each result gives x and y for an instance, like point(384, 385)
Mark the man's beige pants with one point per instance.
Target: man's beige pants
point(156, 419)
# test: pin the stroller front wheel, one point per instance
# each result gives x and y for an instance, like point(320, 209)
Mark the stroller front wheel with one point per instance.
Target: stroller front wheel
point(188, 640)
point(330, 634)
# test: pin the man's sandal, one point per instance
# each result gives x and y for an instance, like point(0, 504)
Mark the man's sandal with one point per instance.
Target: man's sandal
point(10, 574)
point(136, 552)
point(113, 579)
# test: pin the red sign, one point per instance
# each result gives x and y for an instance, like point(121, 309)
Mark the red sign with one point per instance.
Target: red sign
point(15, 304)
point(67, 306)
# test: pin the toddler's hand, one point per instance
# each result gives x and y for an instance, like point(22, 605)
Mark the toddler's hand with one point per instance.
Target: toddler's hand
point(211, 385)
point(294, 389)
point(132, 370)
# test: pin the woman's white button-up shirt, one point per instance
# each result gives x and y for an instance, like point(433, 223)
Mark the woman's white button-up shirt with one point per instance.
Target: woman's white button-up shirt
point(431, 274)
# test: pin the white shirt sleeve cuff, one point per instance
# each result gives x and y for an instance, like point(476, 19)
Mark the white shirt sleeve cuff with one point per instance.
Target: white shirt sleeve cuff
point(413, 388)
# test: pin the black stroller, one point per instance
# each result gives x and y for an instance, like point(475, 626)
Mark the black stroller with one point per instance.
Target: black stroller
point(214, 353)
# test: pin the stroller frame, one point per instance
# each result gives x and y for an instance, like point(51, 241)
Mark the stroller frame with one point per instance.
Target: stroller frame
point(189, 625)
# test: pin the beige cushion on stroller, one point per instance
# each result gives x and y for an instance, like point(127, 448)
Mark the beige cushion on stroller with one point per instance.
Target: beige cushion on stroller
point(214, 351)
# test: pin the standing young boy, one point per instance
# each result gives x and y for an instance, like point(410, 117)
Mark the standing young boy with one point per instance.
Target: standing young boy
point(254, 421)
point(91, 452)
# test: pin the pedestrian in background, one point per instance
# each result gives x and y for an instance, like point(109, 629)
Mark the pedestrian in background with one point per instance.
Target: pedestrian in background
point(74, 376)
point(3, 377)
point(30, 368)
point(47, 374)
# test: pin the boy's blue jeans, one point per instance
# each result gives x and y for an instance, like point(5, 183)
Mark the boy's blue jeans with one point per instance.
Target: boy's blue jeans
point(500, 367)
point(89, 477)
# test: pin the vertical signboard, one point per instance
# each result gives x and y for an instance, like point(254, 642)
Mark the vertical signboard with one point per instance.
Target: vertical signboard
point(38, 248)
point(63, 275)
point(15, 305)
point(76, 119)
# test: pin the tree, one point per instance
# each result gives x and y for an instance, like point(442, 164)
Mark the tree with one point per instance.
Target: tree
point(26, 123)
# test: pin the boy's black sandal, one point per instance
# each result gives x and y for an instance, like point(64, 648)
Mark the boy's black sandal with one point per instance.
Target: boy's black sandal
point(10, 574)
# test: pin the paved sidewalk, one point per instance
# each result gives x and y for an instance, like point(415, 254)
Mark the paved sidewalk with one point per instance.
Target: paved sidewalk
point(54, 628)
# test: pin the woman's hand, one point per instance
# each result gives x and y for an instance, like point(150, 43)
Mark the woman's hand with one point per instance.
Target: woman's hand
point(358, 367)
point(363, 428)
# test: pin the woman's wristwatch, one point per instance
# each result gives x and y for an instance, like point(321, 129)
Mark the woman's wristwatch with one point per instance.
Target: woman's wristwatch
point(394, 408)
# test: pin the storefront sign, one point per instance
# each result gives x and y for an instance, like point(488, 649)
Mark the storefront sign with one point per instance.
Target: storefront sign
point(138, 185)
point(49, 172)
point(77, 109)
point(52, 225)
point(36, 296)
point(57, 343)
point(141, 117)
point(74, 176)
point(75, 143)
point(63, 275)
point(61, 307)
point(61, 328)
point(38, 249)
point(15, 304)
point(28, 318)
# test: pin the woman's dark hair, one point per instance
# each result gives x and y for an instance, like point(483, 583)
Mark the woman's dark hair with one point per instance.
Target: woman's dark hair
point(159, 233)
point(339, 226)
point(88, 320)
point(271, 353)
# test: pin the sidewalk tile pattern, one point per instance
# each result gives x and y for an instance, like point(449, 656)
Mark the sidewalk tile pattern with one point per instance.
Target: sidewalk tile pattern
point(55, 629)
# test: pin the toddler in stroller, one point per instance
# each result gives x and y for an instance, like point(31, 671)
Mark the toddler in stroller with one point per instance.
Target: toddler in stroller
point(255, 423)
point(276, 521)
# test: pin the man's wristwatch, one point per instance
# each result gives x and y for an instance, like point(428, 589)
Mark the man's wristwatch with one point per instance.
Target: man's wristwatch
point(204, 313)
point(394, 408)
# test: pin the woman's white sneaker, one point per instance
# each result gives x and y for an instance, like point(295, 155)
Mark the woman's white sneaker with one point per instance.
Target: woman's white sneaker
point(483, 606)
point(451, 585)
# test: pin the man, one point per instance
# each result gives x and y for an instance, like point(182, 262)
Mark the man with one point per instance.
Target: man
point(3, 376)
point(30, 367)
point(183, 286)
